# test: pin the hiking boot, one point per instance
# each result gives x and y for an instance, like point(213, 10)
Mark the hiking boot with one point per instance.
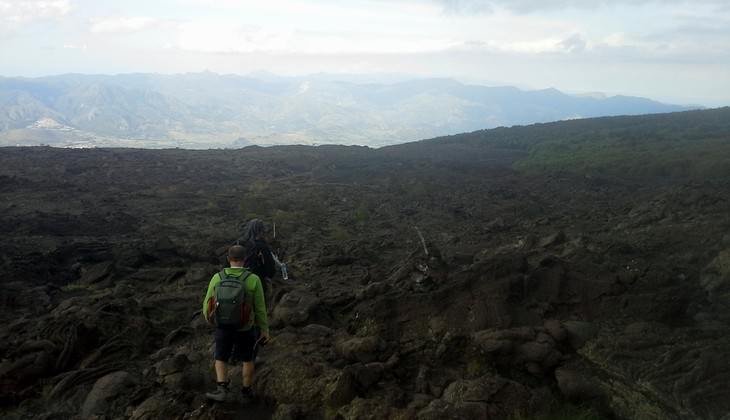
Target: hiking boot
point(220, 392)
point(246, 395)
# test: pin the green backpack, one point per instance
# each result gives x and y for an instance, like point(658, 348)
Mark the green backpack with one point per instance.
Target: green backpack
point(231, 309)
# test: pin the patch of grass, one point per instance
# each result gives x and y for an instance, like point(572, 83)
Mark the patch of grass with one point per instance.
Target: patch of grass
point(339, 233)
point(367, 327)
point(286, 220)
point(76, 286)
point(566, 411)
point(479, 365)
point(259, 187)
point(361, 215)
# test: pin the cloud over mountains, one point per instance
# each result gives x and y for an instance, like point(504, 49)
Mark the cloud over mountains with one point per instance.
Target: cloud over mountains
point(532, 6)
point(23, 11)
point(677, 50)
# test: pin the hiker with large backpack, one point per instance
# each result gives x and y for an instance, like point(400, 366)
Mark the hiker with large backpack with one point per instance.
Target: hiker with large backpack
point(259, 259)
point(235, 304)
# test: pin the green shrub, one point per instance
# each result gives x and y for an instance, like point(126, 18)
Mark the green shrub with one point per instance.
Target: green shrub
point(566, 411)
point(361, 214)
point(339, 233)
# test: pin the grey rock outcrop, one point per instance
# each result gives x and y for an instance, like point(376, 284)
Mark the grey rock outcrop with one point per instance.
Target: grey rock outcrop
point(106, 391)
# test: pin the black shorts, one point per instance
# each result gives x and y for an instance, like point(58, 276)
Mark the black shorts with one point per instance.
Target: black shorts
point(235, 346)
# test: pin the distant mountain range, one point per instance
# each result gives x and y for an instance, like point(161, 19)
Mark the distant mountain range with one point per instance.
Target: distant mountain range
point(202, 110)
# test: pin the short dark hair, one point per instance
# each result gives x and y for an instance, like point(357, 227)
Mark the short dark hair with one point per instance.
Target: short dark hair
point(237, 253)
point(253, 230)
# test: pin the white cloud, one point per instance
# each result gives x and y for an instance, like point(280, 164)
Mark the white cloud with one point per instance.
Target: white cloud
point(529, 6)
point(574, 43)
point(616, 39)
point(122, 24)
point(556, 45)
point(75, 47)
point(24, 11)
point(227, 37)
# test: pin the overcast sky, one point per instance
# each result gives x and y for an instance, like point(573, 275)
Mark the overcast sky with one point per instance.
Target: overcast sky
point(672, 50)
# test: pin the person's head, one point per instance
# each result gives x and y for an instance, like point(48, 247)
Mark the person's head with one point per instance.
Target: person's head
point(254, 230)
point(236, 255)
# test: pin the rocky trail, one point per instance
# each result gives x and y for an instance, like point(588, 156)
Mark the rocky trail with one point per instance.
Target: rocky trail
point(420, 288)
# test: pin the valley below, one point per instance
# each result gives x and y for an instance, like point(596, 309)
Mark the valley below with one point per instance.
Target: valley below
point(569, 270)
point(208, 110)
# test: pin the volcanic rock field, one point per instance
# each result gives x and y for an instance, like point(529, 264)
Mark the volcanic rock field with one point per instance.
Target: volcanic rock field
point(432, 280)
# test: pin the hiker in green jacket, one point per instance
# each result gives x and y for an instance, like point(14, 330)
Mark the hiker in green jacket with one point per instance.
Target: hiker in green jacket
point(235, 304)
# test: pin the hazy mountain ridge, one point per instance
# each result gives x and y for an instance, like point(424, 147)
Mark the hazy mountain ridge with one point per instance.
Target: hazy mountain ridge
point(211, 110)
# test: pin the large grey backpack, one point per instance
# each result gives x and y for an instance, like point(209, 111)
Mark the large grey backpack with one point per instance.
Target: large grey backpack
point(231, 309)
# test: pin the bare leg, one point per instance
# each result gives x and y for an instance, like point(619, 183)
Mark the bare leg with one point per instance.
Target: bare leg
point(221, 371)
point(247, 371)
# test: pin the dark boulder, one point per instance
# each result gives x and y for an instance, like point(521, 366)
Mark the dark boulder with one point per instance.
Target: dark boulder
point(106, 392)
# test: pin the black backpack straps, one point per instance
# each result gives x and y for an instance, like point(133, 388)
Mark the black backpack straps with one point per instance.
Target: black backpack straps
point(244, 276)
point(223, 274)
